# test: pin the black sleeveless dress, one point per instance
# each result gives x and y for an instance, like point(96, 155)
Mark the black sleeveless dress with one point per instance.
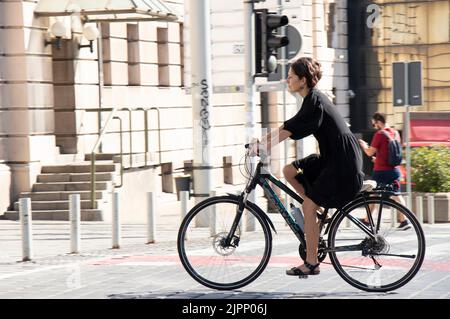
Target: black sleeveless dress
point(334, 177)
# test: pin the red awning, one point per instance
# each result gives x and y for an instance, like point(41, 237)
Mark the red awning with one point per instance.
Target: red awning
point(427, 132)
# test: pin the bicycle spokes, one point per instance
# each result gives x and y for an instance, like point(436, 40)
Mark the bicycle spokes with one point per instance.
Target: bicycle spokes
point(230, 251)
point(381, 261)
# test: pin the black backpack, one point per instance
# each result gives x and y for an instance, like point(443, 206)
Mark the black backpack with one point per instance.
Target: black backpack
point(394, 149)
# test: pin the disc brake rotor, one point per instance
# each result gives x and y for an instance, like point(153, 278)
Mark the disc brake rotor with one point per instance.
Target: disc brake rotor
point(219, 247)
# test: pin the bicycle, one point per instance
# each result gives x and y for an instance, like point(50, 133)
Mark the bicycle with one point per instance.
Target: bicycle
point(225, 255)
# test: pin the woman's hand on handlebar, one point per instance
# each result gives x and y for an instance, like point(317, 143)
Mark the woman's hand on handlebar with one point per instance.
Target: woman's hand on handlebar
point(253, 147)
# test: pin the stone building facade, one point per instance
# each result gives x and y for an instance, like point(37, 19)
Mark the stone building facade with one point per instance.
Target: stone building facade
point(50, 98)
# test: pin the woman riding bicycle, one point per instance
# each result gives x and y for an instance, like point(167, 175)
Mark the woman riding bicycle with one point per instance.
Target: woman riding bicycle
point(330, 179)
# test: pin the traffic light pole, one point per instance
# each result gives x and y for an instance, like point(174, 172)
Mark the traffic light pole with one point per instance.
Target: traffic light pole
point(283, 78)
point(201, 89)
point(250, 107)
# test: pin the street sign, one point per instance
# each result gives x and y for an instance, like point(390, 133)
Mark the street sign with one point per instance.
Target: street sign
point(399, 83)
point(407, 83)
point(415, 83)
point(295, 42)
point(292, 49)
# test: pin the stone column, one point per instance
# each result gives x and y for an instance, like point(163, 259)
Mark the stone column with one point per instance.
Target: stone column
point(26, 97)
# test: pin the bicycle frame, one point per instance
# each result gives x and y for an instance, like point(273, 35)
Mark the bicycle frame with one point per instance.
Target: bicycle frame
point(263, 179)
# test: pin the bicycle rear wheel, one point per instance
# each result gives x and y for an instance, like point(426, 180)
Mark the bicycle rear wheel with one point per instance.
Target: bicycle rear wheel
point(204, 253)
point(380, 264)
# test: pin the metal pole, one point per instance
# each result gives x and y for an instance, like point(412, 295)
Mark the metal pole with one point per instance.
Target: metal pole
point(419, 209)
point(283, 78)
point(151, 221)
point(93, 171)
point(116, 231)
point(430, 210)
point(250, 106)
point(74, 201)
point(25, 224)
point(408, 145)
point(201, 90)
point(408, 158)
point(100, 79)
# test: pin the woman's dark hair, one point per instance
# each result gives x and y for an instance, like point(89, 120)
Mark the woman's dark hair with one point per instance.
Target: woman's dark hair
point(308, 68)
point(380, 117)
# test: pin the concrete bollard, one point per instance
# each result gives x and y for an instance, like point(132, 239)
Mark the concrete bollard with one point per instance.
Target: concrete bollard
point(25, 223)
point(212, 217)
point(74, 202)
point(430, 210)
point(250, 221)
point(201, 220)
point(393, 217)
point(184, 198)
point(288, 208)
point(408, 202)
point(348, 223)
point(419, 209)
point(151, 220)
point(116, 229)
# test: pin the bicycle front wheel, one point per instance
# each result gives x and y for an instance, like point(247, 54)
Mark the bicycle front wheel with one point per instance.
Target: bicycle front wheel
point(205, 254)
point(385, 261)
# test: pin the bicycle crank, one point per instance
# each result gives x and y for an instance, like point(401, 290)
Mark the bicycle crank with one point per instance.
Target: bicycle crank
point(321, 254)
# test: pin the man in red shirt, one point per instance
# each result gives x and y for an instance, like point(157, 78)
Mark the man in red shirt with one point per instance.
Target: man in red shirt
point(383, 172)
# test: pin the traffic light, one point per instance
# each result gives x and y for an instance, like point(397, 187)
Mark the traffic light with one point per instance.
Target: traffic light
point(267, 40)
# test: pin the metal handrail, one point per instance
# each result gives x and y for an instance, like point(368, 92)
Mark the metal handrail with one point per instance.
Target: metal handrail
point(103, 131)
point(146, 130)
point(130, 124)
point(159, 131)
point(93, 153)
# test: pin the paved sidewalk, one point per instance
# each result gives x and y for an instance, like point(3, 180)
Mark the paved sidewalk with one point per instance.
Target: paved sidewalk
point(152, 271)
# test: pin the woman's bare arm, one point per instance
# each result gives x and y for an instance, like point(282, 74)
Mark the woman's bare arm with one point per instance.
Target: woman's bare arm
point(274, 137)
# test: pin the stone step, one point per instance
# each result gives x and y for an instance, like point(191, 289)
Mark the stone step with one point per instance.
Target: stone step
point(100, 157)
point(73, 177)
point(64, 195)
point(68, 186)
point(86, 215)
point(78, 168)
point(55, 205)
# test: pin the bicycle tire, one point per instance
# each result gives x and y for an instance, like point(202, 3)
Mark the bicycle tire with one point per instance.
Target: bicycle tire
point(259, 216)
point(334, 227)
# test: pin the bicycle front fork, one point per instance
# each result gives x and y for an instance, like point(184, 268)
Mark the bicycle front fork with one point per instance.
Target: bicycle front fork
point(231, 238)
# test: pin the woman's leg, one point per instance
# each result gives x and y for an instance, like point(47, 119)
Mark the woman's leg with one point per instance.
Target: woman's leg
point(290, 172)
point(311, 231)
point(311, 222)
point(401, 200)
